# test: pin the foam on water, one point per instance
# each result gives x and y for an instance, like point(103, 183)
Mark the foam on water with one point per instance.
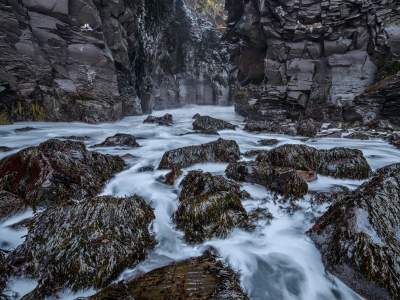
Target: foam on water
point(276, 261)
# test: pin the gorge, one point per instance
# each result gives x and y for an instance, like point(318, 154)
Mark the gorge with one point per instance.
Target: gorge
point(182, 149)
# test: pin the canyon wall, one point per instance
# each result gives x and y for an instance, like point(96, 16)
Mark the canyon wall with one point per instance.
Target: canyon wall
point(315, 58)
point(92, 60)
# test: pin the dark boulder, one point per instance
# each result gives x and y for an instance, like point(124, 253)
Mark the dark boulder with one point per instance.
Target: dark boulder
point(336, 162)
point(285, 181)
point(209, 206)
point(200, 278)
point(359, 236)
point(119, 140)
point(82, 245)
point(165, 120)
point(25, 129)
point(10, 204)
point(394, 139)
point(218, 151)
point(206, 124)
point(56, 171)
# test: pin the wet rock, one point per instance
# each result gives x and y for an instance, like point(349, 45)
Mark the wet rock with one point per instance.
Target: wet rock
point(119, 140)
point(25, 129)
point(3, 273)
point(394, 139)
point(199, 278)
point(5, 149)
point(308, 176)
point(336, 162)
point(10, 204)
point(218, 151)
point(357, 136)
point(308, 128)
point(331, 196)
point(56, 171)
point(282, 180)
point(165, 120)
point(209, 206)
point(83, 245)
point(206, 124)
point(268, 142)
point(253, 153)
point(172, 176)
point(359, 236)
point(260, 214)
point(271, 127)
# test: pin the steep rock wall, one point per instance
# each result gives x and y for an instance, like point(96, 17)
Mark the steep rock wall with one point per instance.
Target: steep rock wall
point(309, 57)
point(92, 60)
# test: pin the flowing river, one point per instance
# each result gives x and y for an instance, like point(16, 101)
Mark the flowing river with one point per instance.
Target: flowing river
point(276, 261)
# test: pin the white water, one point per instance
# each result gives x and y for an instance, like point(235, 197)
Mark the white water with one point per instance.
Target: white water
point(276, 261)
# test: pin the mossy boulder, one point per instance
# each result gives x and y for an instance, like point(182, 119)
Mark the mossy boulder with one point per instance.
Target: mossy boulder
point(83, 245)
point(56, 171)
point(206, 124)
point(283, 180)
point(336, 162)
point(218, 151)
point(119, 140)
point(359, 236)
point(209, 206)
point(200, 278)
point(165, 120)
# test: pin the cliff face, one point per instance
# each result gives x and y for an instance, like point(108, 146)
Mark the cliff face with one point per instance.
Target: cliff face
point(310, 58)
point(92, 60)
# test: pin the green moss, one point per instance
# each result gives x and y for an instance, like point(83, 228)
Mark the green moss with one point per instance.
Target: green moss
point(4, 119)
point(38, 112)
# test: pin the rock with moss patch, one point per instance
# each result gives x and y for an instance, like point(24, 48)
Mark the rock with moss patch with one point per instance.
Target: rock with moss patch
point(119, 140)
point(56, 171)
point(359, 236)
point(165, 120)
point(83, 245)
point(336, 162)
point(282, 180)
point(271, 127)
point(209, 206)
point(217, 151)
point(200, 278)
point(206, 124)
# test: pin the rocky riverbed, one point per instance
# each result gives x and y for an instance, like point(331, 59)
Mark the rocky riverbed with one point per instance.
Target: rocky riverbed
point(256, 242)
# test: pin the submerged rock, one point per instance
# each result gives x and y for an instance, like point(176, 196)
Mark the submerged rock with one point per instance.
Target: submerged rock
point(394, 139)
point(119, 140)
point(285, 181)
point(10, 204)
point(56, 171)
point(206, 124)
point(359, 236)
point(165, 120)
point(357, 136)
point(200, 278)
point(25, 129)
point(80, 138)
point(337, 162)
point(5, 149)
point(209, 206)
point(84, 245)
point(218, 151)
point(268, 142)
